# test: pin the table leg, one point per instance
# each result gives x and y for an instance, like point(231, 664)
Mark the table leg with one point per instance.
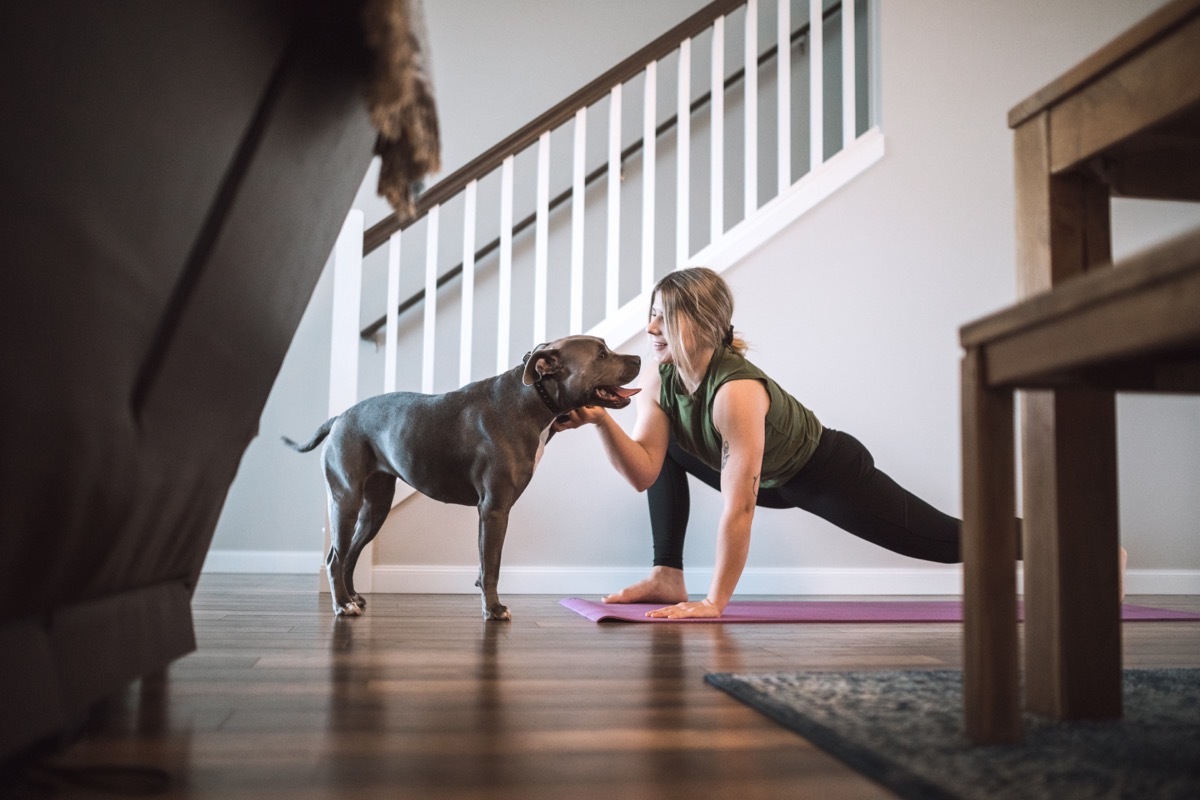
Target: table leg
point(1072, 618)
point(990, 673)
point(1072, 615)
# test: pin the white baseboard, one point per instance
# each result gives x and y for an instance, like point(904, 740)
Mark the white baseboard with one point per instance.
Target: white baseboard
point(1162, 581)
point(457, 579)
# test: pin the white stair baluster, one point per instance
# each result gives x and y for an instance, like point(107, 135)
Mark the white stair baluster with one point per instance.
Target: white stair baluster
point(504, 298)
point(783, 61)
point(683, 155)
point(613, 265)
point(578, 206)
point(467, 332)
point(716, 191)
point(541, 239)
point(393, 314)
point(816, 71)
point(347, 300)
point(431, 263)
point(649, 168)
point(849, 89)
point(750, 105)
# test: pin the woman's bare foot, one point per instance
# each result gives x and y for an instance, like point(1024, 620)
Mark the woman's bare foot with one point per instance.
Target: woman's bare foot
point(665, 585)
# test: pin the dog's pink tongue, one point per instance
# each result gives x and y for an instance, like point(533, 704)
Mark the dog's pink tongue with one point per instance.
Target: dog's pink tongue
point(627, 392)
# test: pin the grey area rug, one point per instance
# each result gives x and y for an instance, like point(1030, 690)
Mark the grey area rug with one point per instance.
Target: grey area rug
point(904, 729)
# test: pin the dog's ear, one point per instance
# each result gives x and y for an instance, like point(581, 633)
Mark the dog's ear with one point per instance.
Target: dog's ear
point(540, 364)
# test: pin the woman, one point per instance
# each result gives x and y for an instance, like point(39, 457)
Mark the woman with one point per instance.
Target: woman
point(708, 411)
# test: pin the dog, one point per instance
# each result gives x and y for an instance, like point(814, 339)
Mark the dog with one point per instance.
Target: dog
point(477, 446)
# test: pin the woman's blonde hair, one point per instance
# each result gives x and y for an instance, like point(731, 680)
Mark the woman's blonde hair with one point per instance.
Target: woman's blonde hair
point(697, 309)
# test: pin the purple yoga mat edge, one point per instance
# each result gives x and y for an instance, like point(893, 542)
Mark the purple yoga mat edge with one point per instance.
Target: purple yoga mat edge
point(796, 611)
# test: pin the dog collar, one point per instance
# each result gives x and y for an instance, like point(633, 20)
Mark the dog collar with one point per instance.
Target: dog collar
point(541, 390)
point(550, 404)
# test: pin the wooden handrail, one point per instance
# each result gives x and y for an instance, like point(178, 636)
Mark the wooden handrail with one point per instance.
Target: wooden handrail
point(379, 233)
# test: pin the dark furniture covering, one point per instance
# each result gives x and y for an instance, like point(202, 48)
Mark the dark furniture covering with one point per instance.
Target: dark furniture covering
point(174, 176)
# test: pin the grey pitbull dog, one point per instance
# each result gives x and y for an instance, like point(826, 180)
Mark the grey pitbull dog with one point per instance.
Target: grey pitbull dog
point(477, 446)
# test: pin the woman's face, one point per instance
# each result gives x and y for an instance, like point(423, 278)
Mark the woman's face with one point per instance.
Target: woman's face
point(660, 348)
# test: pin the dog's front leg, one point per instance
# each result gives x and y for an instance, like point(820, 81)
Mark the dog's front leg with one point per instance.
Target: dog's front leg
point(493, 524)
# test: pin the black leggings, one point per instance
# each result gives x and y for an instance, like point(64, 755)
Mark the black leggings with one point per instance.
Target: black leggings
point(839, 483)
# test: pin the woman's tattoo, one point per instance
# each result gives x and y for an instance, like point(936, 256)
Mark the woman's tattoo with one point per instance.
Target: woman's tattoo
point(725, 460)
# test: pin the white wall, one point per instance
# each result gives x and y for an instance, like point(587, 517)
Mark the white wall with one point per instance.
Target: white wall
point(855, 309)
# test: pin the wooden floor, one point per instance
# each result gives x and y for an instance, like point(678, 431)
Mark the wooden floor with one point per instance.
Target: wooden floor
point(420, 698)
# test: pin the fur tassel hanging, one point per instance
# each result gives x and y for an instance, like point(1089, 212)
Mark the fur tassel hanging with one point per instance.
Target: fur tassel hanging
point(400, 100)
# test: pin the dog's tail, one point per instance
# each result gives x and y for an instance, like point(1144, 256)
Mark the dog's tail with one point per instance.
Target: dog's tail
point(318, 437)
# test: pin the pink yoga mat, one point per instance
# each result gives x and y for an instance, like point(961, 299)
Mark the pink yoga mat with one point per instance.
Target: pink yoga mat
point(829, 611)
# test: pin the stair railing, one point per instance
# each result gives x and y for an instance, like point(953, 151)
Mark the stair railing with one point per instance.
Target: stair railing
point(844, 19)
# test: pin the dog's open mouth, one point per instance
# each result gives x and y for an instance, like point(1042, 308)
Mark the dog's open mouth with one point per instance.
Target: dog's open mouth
point(614, 396)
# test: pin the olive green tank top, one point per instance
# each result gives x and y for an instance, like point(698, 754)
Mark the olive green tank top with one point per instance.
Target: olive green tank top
point(792, 431)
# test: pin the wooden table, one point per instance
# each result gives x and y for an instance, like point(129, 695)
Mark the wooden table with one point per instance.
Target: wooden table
point(1125, 122)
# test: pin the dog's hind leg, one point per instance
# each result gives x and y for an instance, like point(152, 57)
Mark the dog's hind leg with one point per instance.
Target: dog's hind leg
point(378, 491)
point(343, 514)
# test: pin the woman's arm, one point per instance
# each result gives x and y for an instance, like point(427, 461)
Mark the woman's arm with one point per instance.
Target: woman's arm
point(639, 458)
point(739, 414)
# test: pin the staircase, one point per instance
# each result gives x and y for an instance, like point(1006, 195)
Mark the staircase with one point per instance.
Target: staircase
point(696, 150)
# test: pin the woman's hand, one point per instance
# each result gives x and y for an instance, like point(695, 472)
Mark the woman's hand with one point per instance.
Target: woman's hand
point(638, 458)
point(588, 415)
point(702, 609)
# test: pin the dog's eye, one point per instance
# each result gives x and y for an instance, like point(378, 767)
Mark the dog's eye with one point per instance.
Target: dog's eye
point(603, 354)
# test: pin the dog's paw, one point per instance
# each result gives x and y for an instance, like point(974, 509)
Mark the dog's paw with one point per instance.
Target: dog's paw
point(497, 612)
point(359, 601)
point(350, 609)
